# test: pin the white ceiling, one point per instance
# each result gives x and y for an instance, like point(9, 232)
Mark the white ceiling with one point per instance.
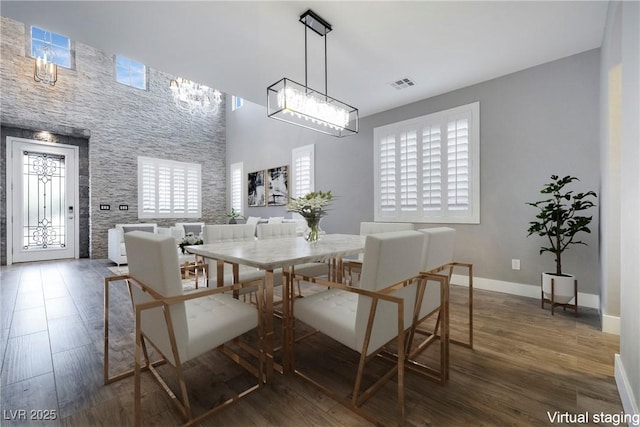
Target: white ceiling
point(243, 47)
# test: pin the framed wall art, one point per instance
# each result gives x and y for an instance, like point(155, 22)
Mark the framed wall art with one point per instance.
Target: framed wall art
point(278, 186)
point(256, 189)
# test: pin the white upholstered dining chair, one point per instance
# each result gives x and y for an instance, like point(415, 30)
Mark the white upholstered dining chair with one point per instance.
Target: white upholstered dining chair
point(353, 266)
point(439, 259)
point(382, 310)
point(180, 326)
point(244, 274)
point(288, 229)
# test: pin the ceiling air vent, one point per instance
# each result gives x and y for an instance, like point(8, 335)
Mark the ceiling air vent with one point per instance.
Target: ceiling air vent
point(402, 83)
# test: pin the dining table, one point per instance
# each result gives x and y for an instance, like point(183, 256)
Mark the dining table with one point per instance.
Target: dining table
point(284, 253)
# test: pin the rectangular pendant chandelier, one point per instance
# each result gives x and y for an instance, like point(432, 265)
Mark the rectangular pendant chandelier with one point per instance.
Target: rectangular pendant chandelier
point(301, 105)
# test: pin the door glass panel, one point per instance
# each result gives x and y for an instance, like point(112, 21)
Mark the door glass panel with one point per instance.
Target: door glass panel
point(44, 201)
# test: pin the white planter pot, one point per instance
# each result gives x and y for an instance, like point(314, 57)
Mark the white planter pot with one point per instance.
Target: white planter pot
point(563, 287)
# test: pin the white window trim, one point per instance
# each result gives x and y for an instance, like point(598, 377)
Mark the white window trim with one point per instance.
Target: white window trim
point(195, 212)
point(472, 216)
point(236, 201)
point(306, 151)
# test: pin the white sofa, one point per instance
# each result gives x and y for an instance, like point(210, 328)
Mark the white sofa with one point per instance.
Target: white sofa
point(182, 228)
point(117, 251)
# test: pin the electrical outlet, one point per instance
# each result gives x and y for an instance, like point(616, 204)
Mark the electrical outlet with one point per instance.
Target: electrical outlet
point(123, 207)
point(105, 207)
point(515, 264)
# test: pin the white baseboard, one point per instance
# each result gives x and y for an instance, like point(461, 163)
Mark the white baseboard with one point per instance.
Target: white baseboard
point(611, 324)
point(521, 289)
point(624, 390)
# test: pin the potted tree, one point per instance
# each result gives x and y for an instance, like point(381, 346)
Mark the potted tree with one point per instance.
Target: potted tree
point(559, 221)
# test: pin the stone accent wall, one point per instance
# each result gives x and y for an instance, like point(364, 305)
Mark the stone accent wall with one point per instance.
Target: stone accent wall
point(121, 124)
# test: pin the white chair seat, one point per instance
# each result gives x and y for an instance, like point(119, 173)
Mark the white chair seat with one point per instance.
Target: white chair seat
point(312, 269)
point(231, 317)
point(288, 229)
point(332, 312)
point(231, 233)
point(381, 310)
point(246, 274)
point(179, 325)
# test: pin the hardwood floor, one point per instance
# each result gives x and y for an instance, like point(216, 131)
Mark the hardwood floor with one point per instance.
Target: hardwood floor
point(526, 364)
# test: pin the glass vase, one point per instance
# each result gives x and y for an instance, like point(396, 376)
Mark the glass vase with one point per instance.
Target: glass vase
point(313, 229)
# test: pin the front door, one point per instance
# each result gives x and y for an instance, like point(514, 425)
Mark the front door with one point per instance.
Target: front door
point(43, 200)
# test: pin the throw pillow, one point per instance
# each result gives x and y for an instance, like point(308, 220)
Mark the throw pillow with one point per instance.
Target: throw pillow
point(196, 229)
point(253, 220)
point(147, 228)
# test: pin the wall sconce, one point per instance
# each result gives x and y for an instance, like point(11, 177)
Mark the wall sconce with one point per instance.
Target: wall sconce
point(44, 68)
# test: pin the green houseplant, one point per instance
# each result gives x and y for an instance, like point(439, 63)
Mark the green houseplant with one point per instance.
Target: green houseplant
point(233, 216)
point(559, 220)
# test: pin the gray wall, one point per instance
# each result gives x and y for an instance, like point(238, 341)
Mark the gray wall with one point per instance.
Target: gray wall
point(610, 133)
point(533, 123)
point(630, 208)
point(121, 124)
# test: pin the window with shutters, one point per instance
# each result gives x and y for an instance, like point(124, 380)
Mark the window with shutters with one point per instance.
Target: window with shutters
point(236, 173)
point(302, 170)
point(427, 169)
point(168, 189)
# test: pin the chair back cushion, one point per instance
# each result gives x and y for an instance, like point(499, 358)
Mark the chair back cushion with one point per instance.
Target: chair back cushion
point(275, 231)
point(439, 247)
point(126, 228)
point(367, 228)
point(440, 244)
point(253, 220)
point(228, 232)
point(389, 258)
point(153, 261)
point(190, 227)
point(385, 262)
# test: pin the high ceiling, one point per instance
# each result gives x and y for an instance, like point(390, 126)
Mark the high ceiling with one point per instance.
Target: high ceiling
point(243, 47)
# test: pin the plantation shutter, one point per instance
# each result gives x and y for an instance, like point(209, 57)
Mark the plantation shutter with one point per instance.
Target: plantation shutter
point(236, 187)
point(179, 194)
point(431, 168)
point(148, 188)
point(164, 189)
point(387, 170)
point(458, 185)
point(302, 173)
point(168, 189)
point(426, 169)
point(193, 191)
point(409, 171)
